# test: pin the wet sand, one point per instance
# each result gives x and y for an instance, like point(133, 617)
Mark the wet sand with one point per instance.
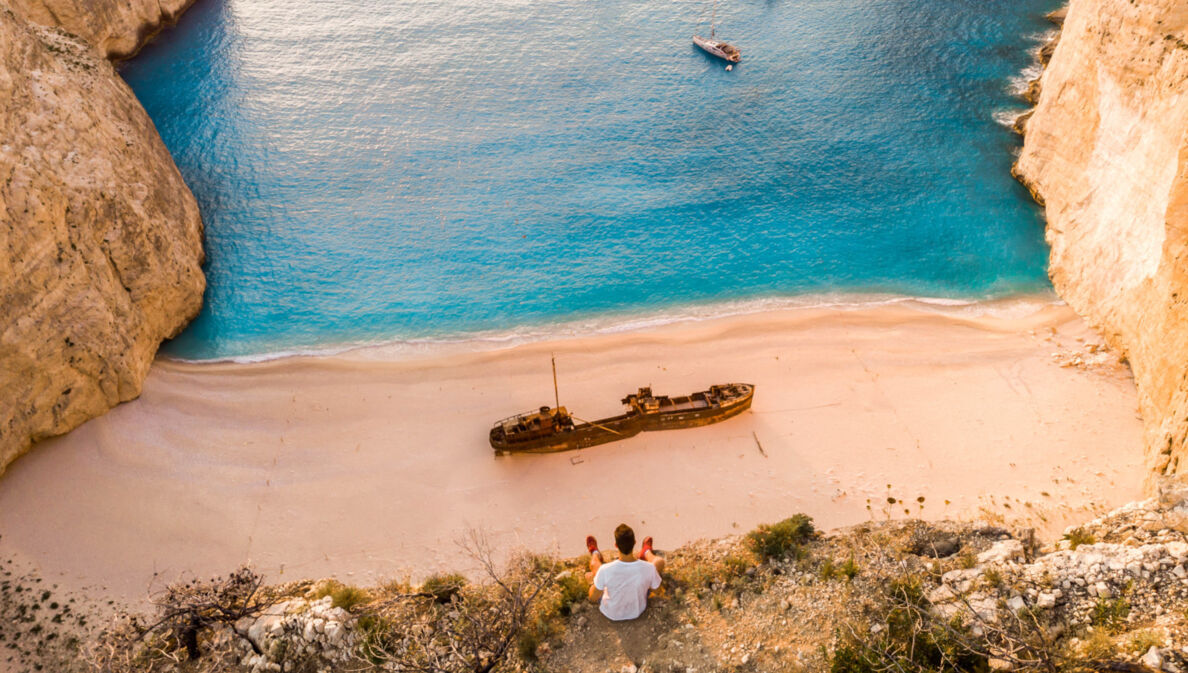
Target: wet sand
point(367, 468)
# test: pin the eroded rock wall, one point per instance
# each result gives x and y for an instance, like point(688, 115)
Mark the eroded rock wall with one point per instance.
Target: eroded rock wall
point(118, 28)
point(100, 239)
point(1106, 151)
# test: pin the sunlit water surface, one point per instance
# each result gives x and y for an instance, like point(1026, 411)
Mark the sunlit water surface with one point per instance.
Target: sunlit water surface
point(399, 170)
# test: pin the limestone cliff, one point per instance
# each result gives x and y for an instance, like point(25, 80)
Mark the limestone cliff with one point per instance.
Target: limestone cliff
point(100, 240)
point(118, 28)
point(1106, 151)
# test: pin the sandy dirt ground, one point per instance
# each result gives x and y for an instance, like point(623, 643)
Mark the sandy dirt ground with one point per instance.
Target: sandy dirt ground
point(366, 468)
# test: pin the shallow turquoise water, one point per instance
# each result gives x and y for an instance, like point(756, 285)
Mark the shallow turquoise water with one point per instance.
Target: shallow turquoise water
point(408, 169)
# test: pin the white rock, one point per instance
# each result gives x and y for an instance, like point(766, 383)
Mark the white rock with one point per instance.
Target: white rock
point(1153, 658)
point(334, 632)
point(1177, 549)
point(1045, 601)
point(1103, 590)
point(1016, 603)
point(1002, 551)
point(262, 627)
point(941, 594)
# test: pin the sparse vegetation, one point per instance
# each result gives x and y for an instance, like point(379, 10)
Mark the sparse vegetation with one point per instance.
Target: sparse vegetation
point(476, 629)
point(341, 595)
point(1111, 613)
point(184, 611)
point(904, 635)
point(443, 587)
point(1077, 537)
point(1099, 646)
point(847, 569)
point(783, 539)
point(1143, 640)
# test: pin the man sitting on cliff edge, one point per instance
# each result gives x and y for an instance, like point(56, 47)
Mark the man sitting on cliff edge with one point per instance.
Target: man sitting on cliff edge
point(621, 587)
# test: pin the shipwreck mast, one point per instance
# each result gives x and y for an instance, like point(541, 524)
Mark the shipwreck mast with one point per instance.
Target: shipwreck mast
point(556, 395)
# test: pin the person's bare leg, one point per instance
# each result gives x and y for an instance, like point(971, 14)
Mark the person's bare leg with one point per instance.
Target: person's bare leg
point(646, 554)
point(655, 559)
point(595, 557)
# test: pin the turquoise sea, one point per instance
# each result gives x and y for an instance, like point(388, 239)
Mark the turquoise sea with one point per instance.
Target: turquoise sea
point(408, 170)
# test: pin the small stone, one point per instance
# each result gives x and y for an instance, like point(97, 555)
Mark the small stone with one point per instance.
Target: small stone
point(1045, 601)
point(1016, 603)
point(1103, 590)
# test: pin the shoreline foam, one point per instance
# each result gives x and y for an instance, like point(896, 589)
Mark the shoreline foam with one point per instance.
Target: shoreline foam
point(493, 340)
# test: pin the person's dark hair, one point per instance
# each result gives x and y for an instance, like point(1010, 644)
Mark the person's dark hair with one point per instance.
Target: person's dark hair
point(624, 538)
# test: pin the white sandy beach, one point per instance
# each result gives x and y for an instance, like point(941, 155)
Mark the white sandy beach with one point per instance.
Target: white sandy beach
point(367, 468)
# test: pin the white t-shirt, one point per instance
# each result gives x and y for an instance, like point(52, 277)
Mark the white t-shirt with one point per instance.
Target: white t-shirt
point(625, 588)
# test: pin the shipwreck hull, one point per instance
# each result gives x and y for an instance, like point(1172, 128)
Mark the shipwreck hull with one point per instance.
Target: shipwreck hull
point(692, 418)
point(645, 413)
point(582, 436)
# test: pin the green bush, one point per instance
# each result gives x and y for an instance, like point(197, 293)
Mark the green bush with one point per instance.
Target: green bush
point(377, 638)
point(828, 571)
point(1110, 614)
point(849, 569)
point(1077, 537)
point(834, 571)
point(573, 589)
point(529, 641)
point(443, 587)
point(341, 595)
point(782, 539)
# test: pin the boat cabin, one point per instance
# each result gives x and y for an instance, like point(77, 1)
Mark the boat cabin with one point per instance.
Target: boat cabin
point(541, 423)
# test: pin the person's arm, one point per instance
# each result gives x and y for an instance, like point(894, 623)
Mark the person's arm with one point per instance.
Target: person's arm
point(596, 587)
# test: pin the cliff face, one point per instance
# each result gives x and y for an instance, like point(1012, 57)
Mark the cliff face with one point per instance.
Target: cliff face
point(100, 240)
point(1106, 151)
point(118, 28)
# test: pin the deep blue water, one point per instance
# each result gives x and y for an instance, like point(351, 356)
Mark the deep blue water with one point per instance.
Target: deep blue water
point(374, 170)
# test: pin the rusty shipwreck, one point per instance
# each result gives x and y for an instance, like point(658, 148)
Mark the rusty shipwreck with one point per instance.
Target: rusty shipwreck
point(551, 429)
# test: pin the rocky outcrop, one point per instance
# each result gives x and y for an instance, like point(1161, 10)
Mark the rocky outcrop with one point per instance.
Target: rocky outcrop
point(1106, 152)
point(100, 240)
point(118, 28)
